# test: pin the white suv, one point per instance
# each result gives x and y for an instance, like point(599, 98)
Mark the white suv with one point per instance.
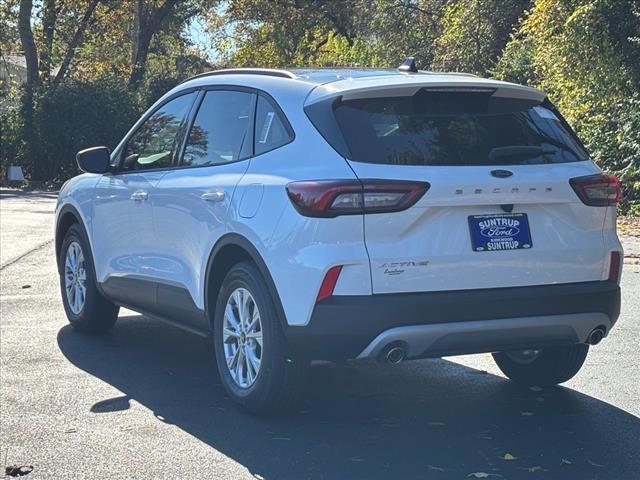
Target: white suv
point(299, 215)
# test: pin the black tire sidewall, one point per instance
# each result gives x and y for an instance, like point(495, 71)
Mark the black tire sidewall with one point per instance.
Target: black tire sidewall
point(95, 308)
point(553, 366)
point(246, 275)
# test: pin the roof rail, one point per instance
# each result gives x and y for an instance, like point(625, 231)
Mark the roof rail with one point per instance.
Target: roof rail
point(271, 72)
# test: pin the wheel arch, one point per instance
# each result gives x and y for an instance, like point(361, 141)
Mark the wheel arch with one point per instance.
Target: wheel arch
point(229, 250)
point(67, 217)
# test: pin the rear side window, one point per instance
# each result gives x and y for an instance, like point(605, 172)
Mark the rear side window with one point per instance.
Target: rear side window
point(154, 143)
point(220, 132)
point(272, 129)
point(454, 128)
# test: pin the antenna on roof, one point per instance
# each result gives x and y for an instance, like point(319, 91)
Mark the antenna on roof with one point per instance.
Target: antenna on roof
point(408, 66)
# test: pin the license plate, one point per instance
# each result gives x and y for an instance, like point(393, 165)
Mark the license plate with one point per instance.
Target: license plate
point(509, 231)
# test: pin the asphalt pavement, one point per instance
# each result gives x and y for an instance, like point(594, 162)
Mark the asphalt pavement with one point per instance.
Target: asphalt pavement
point(145, 401)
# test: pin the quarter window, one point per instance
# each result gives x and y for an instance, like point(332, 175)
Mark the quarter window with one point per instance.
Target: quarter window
point(220, 131)
point(154, 143)
point(272, 130)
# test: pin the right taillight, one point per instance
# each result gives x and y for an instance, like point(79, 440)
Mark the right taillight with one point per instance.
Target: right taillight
point(331, 198)
point(598, 190)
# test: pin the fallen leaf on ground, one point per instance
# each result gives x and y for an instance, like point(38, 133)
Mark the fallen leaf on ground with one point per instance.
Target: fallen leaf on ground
point(508, 456)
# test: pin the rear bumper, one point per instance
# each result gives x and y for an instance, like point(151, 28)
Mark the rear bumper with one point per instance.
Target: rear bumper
point(434, 324)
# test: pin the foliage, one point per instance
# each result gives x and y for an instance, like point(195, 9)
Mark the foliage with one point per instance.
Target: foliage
point(474, 33)
point(123, 55)
point(108, 109)
point(583, 54)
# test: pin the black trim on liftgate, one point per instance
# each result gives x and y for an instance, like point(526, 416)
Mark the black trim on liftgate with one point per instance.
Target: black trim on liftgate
point(341, 327)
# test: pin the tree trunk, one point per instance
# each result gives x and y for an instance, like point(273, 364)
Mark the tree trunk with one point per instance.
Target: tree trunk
point(146, 22)
point(28, 44)
point(49, 16)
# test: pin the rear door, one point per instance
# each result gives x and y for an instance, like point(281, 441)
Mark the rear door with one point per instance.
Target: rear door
point(499, 212)
point(191, 202)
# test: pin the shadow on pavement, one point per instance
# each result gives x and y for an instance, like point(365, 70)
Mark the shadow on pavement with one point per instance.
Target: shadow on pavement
point(424, 419)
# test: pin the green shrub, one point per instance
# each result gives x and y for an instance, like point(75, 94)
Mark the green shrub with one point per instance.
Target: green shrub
point(79, 115)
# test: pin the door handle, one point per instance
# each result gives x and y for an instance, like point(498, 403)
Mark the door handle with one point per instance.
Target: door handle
point(213, 197)
point(139, 196)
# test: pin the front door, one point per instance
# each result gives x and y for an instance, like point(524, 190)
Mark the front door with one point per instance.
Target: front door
point(122, 229)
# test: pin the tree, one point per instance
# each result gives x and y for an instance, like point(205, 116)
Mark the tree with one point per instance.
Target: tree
point(583, 54)
point(147, 19)
point(475, 32)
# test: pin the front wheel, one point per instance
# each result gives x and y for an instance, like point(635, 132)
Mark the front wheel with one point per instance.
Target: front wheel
point(255, 367)
point(86, 308)
point(544, 367)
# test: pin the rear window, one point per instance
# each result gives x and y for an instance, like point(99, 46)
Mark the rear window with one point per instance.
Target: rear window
point(454, 128)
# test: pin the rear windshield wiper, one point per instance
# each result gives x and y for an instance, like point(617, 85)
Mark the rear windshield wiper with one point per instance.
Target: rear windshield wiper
point(524, 151)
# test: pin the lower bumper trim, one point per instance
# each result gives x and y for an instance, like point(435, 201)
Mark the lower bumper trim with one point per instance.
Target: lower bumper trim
point(342, 327)
point(478, 336)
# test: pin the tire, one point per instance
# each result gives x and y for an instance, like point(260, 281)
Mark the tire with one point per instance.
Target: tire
point(550, 366)
point(279, 380)
point(93, 313)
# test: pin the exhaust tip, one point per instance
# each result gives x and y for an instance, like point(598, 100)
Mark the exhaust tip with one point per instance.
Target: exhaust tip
point(393, 354)
point(596, 336)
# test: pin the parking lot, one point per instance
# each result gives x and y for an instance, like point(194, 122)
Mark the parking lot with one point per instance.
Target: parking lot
point(144, 401)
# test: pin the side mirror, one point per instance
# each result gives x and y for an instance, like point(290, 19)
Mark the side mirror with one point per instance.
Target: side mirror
point(94, 160)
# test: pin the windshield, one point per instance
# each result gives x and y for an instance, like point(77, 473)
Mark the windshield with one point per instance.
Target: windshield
point(453, 128)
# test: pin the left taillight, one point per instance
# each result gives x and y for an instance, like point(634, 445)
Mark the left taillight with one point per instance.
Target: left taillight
point(332, 198)
point(598, 190)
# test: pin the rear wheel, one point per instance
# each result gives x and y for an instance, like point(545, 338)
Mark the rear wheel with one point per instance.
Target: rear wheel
point(256, 369)
point(86, 308)
point(544, 367)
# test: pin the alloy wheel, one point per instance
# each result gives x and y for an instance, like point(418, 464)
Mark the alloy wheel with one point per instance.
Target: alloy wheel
point(242, 338)
point(75, 278)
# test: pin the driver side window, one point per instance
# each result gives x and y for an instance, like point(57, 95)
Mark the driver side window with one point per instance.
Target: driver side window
point(154, 143)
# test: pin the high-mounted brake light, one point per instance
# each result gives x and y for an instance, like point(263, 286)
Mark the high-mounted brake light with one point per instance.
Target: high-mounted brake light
point(598, 190)
point(331, 198)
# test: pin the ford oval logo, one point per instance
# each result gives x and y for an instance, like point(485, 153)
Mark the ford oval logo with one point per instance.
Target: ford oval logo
point(499, 227)
point(501, 173)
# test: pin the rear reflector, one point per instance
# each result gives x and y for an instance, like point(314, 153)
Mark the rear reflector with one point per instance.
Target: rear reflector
point(329, 283)
point(597, 190)
point(331, 198)
point(614, 266)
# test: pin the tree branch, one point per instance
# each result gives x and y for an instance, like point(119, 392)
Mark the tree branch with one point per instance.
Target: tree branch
point(73, 44)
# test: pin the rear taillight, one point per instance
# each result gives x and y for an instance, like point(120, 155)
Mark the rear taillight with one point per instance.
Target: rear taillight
point(331, 198)
point(615, 264)
point(597, 190)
